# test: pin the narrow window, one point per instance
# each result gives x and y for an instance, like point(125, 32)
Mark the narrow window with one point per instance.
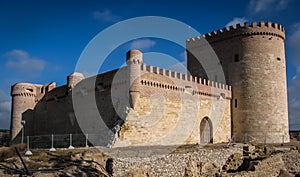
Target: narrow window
point(222, 95)
point(235, 103)
point(29, 90)
point(236, 58)
point(278, 59)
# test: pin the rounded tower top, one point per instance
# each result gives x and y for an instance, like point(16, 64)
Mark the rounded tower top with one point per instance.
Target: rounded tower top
point(134, 57)
point(77, 74)
point(23, 89)
point(74, 78)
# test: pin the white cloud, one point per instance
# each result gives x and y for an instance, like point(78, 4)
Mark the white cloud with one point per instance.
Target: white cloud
point(236, 20)
point(106, 16)
point(20, 61)
point(5, 108)
point(266, 6)
point(142, 44)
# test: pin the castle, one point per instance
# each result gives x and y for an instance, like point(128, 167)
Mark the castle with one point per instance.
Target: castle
point(146, 105)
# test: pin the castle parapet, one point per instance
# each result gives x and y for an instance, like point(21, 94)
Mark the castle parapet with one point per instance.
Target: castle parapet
point(183, 80)
point(23, 89)
point(245, 29)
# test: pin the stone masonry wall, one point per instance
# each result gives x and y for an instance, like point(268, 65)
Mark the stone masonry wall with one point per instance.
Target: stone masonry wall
point(253, 60)
point(170, 109)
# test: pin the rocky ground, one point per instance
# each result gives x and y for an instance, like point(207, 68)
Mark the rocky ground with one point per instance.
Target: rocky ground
point(213, 160)
point(62, 163)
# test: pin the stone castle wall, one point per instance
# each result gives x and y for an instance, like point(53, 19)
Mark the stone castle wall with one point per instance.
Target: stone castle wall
point(165, 108)
point(170, 108)
point(253, 60)
point(146, 105)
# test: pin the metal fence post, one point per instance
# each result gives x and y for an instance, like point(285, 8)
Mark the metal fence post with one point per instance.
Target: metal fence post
point(28, 152)
point(52, 149)
point(71, 147)
point(22, 138)
point(86, 140)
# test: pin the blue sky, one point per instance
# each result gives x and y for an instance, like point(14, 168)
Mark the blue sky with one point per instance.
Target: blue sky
point(41, 41)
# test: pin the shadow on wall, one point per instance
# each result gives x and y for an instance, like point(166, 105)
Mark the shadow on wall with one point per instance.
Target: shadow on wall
point(54, 116)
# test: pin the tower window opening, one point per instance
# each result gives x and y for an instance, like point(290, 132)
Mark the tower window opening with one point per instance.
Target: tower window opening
point(29, 90)
point(236, 58)
point(223, 95)
point(278, 59)
point(235, 103)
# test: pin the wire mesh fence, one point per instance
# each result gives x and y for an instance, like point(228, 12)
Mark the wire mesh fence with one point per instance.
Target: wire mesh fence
point(85, 140)
point(58, 140)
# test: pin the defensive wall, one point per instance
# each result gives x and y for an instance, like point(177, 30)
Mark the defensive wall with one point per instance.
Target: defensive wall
point(169, 104)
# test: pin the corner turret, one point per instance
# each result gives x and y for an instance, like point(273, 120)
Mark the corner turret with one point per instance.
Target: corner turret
point(23, 99)
point(134, 59)
point(74, 78)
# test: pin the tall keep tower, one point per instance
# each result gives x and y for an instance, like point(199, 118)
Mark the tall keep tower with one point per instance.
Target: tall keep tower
point(252, 57)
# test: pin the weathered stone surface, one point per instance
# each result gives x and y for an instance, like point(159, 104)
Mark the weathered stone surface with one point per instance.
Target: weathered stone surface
point(292, 160)
point(252, 58)
point(233, 162)
point(145, 105)
point(199, 162)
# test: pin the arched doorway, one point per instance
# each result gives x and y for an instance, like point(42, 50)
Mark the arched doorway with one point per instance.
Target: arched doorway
point(206, 131)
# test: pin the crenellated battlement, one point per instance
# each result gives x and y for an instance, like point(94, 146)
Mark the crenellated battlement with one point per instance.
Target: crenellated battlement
point(183, 80)
point(245, 29)
point(140, 104)
point(24, 89)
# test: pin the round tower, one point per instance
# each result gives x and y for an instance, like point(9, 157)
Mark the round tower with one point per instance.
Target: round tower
point(74, 78)
point(23, 98)
point(134, 59)
point(253, 60)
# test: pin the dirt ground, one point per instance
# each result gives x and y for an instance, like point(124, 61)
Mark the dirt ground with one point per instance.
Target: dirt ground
point(279, 159)
point(63, 162)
